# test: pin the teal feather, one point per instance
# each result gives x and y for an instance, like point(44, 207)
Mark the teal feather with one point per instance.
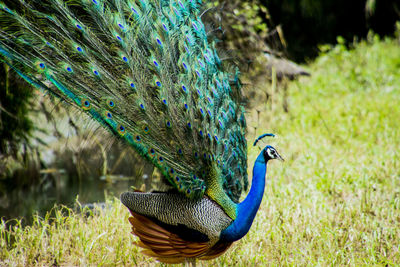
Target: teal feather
point(153, 59)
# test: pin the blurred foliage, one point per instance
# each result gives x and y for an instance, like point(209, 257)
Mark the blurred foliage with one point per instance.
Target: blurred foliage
point(15, 126)
point(308, 23)
point(241, 27)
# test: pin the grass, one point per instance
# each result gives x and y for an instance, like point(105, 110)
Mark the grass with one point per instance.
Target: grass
point(334, 201)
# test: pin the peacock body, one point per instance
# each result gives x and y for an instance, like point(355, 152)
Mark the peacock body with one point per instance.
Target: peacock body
point(147, 71)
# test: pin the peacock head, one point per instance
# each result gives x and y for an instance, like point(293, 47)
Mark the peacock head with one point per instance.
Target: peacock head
point(271, 153)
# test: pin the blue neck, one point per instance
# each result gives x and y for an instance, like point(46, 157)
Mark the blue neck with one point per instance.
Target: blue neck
point(246, 210)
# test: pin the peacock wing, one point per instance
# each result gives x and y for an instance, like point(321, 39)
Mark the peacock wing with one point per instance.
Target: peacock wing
point(163, 245)
point(144, 70)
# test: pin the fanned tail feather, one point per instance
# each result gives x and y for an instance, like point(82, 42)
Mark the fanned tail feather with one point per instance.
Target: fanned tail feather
point(143, 69)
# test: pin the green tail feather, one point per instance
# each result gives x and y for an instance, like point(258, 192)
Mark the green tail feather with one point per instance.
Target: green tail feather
point(143, 69)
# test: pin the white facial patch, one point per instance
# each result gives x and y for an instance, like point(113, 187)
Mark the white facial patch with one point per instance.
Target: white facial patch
point(271, 153)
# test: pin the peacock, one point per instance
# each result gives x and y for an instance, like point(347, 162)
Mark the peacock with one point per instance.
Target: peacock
point(148, 71)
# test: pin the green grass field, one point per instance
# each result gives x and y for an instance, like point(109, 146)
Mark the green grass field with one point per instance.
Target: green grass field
point(334, 201)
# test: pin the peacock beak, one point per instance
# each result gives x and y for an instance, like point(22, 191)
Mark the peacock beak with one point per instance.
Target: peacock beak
point(279, 157)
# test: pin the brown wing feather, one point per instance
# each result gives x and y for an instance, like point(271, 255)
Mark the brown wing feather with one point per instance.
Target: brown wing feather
point(165, 246)
point(216, 251)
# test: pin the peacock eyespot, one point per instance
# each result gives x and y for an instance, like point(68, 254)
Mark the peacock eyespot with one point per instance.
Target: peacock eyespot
point(161, 159)
point(125, 59)
point(109, 115)
point(42, 65)
point(146, 129)
point(188, 191)
point(95, 2)
point(152, 152)
point(189, 125)
point(196, 155)
point(138, 138)
point(111, 104)
point(85, 104)
point(79, 49)
point(177, 179)
point(121, 130)
point(171, 170)
point(195, 177)
point(186, 106)
point(79, 26)
point(119, 38)
point(184, 88)
point(159, 41)
point(142, 106)
point(180, 151)
point(158, 83)
point(69, 69)
point(164, 101)
point(96, 72)
point(155, 63)
point(168, 124)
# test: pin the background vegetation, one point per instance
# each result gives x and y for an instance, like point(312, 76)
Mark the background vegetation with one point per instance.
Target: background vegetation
point(334, 201)
point(308, 23)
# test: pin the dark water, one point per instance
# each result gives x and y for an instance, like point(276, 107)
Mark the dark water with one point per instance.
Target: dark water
point(64, 172)
point(22, 203)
